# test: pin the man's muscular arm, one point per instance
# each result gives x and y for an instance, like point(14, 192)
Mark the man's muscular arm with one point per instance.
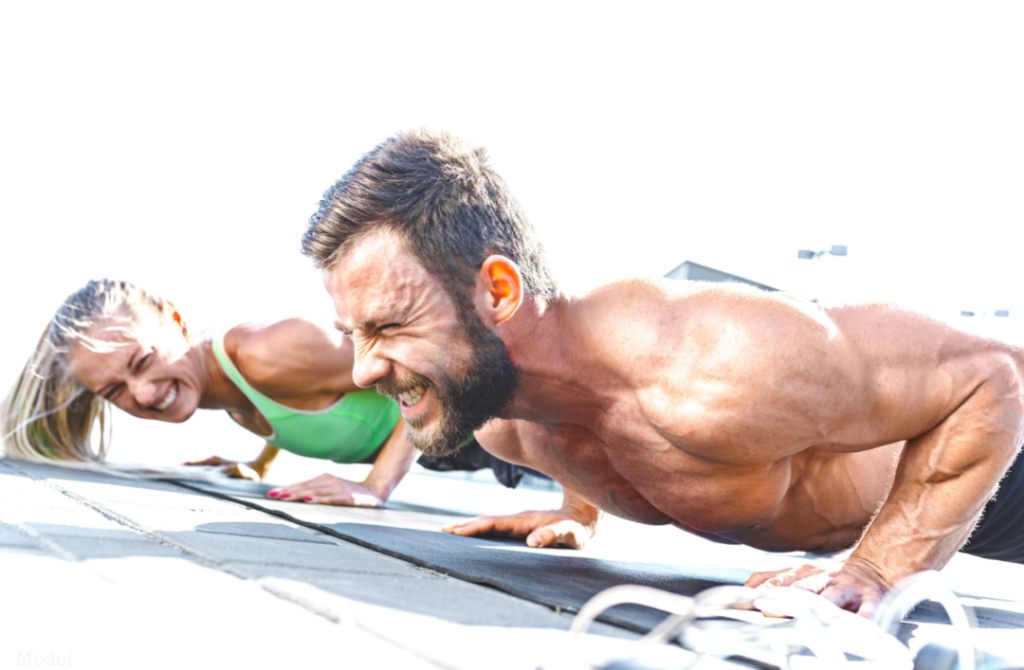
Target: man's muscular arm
point(570, 526)
point(944, 478)
point(943, 481)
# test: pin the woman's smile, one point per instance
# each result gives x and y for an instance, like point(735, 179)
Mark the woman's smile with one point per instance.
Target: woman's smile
point(170, 395)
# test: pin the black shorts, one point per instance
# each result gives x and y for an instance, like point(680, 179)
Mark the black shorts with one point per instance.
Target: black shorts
point(1000, 533)
point(472, 457)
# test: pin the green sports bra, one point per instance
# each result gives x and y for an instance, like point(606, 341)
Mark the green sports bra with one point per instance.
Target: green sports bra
point(348, 431)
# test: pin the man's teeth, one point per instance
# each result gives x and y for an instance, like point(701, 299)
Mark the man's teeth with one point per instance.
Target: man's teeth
point(411, 397)
point(169, 399)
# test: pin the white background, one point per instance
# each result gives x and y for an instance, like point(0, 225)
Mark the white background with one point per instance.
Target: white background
point(183, 146)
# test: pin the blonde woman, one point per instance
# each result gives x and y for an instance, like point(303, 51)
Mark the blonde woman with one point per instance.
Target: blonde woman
point(289, 382)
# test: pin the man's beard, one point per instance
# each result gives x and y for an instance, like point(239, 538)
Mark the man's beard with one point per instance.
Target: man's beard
point(465, 404)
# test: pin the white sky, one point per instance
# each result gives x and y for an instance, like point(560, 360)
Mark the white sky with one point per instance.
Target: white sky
point(183, 146)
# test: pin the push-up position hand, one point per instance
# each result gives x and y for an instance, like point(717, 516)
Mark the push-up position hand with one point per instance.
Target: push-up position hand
point(250, 470)
point(254, 470)
point(330, 490)
point(571, 526)
point(852, 585)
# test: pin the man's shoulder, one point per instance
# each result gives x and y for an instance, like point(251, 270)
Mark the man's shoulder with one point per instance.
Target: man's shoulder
point(660, 315)
point(656, 296)
point(699, 356)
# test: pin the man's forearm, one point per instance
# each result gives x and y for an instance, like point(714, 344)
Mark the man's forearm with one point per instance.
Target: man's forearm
point(583, 511)
point(943, 481)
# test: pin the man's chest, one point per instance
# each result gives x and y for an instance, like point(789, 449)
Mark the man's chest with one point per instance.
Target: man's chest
point(632, 469)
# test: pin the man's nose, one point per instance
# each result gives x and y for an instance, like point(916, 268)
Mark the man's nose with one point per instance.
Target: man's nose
point(369, 368)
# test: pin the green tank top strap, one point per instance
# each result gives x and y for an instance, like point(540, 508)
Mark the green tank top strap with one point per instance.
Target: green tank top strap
point(349, 431)
point(270, 410)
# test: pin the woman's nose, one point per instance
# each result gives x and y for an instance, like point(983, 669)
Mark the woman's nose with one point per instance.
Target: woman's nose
point(143, 391)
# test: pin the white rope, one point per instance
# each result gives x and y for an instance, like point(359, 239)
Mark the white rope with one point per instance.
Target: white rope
point(928, 585)
point(719, 623)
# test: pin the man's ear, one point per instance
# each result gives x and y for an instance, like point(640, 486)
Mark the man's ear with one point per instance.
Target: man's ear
point(499, 289)
point(175, 315)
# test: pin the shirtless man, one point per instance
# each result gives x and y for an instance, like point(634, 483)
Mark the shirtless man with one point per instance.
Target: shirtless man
point(751, 417)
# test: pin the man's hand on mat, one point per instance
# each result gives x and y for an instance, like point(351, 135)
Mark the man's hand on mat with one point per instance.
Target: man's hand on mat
point(251, 470)
point(570, 526)
point(851, 585)
point(330, 490)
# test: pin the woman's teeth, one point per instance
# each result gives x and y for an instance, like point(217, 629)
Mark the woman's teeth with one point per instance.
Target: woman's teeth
point(411, 397)
point(172, 395)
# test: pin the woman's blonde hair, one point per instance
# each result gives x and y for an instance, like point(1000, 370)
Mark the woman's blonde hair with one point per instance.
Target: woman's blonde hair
point(49, 415)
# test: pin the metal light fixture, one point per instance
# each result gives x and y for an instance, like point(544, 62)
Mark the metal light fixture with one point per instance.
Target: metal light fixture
point(998, 312)
point(836, 250)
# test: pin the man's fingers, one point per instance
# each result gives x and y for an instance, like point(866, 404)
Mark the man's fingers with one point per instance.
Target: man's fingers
point(478, 526)
point(868, 607)
point(843, 597)
point(815, 583)
point(540, 529)
point(759, 578)
point(790, 577)
point(564, 533)
point(862, 601)
point(545, 537)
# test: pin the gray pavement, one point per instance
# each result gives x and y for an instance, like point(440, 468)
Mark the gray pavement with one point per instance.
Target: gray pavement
point(108, 572)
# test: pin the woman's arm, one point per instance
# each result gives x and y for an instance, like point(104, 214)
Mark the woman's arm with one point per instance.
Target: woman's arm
point(393, 462)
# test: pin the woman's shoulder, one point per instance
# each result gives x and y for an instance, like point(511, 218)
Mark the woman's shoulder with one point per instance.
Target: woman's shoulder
point(290, 356)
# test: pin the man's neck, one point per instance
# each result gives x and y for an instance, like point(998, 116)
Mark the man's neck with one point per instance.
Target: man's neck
point(557, 381)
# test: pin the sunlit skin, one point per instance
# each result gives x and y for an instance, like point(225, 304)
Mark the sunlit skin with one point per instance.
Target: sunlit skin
point(161, 373)
point(412, 328)
point(755, 417)
point(296, 363)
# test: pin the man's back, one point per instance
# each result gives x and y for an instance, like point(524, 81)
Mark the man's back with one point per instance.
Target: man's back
point(755, 416)
point(759, 417)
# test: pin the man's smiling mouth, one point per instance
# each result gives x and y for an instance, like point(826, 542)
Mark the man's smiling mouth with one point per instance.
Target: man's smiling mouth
point(412, 396)
point(169, 398)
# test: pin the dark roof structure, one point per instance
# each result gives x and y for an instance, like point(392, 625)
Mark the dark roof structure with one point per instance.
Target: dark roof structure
point(697, 272)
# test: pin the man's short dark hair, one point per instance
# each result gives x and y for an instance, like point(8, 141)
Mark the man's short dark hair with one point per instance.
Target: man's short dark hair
point(451, 210)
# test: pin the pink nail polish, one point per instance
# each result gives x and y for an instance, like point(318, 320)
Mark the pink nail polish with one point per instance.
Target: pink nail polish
point(307, 498)
point(272, 494)
point(286, 495)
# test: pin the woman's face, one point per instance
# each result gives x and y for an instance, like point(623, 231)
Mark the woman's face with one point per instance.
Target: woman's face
point(155, 374)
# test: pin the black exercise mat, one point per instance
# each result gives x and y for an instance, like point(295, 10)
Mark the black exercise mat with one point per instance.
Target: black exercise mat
point(557, 578)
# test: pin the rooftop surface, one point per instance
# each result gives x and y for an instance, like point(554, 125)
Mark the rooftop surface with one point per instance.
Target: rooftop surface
point(108, 572)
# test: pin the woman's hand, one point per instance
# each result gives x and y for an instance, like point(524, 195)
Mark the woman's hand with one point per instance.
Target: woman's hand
point(254, 470)
point(330, 490)
point(571, 526)
point(251, 470)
